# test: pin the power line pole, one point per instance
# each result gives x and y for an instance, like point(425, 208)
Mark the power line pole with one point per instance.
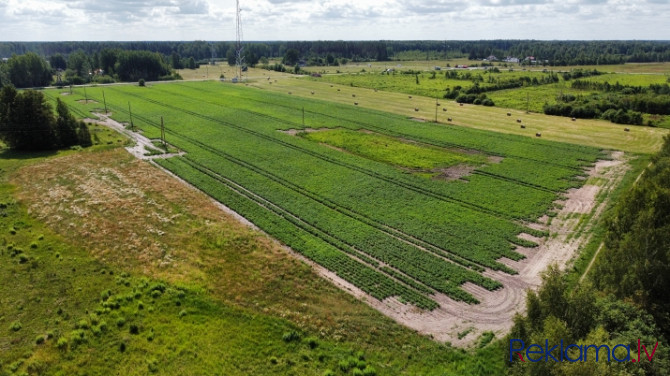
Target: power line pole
point(239, 56)
point(104, 100)
point(163, 134)
point(132, 126)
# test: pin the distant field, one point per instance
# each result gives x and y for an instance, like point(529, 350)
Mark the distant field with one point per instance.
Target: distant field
point(431, 236)
point(597, 133)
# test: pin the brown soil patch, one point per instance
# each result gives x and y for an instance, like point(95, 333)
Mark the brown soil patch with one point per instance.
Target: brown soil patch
point(454, 172)
point(84, 101)
point(294, 132)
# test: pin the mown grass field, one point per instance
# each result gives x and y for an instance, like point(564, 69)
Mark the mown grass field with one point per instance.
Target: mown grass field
point(107, 275)
point(596, 133)
point(431, 237)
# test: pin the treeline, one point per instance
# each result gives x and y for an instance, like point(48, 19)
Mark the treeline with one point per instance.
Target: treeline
point(626, 297)
point(559, 53)
point(106, 66)
point(28, 122)
point(618, 103)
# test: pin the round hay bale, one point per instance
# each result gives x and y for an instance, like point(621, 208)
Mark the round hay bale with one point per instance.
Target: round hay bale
point(444, 109)
point(523, 126)
point(448, 119)
point(355, 103)
point(509, 114)
point(518, 120)
point(416, 109)
point(538, 134)
point(626, 129)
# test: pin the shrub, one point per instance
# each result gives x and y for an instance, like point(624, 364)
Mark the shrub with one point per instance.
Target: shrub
point(312, 342)
point(39, 340)
point(369, 371)
point(142, 82)
point(182, 313)
point(15, 326)
point(274, 360)
point(62, 343)
point(152, 364)
point(120, 322)
point(291, 336)
point(134, 329)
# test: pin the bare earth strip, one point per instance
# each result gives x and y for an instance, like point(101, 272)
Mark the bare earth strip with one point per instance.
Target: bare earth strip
point(497, 309)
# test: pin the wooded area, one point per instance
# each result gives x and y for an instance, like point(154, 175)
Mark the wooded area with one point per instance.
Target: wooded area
point(80, 62)
point(625, 298)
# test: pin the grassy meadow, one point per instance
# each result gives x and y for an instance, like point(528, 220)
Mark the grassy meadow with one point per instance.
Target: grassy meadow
point(123, 284)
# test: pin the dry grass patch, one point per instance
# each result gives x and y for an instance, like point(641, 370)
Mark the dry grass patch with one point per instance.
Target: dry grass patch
point(136, 217)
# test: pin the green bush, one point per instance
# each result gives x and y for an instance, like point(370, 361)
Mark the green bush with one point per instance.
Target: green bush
point(291, 336)
point(15, 326)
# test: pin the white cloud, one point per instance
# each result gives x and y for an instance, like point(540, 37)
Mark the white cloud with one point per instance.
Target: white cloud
point(333, 19)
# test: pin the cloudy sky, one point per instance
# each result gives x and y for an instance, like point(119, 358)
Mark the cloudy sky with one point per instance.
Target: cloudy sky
point(49, 20)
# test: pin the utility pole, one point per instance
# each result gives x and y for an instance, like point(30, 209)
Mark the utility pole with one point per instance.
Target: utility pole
point(104, 100)
point(132, 126)
point(436, 104)
point(163, 134)
point(527, 102)
point(85, 96)
point(303, 117)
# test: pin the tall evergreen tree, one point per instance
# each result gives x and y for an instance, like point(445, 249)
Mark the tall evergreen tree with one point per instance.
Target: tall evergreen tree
point(66, 126)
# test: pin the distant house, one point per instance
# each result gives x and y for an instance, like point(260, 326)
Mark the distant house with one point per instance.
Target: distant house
point(491, 58)
point(437, 68)
point(510, 59)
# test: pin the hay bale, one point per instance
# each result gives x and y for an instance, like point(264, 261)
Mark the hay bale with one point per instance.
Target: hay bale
point(523, 126)
point(574, 119)
point(312, 93)
point(626, 129)
point(416, 109)
point(448, 119)
point(444, 109)
point(461, 104)
point(538, 134)
point(509, 114)
point(355, 103)
point(518, 120)
point(353, 95)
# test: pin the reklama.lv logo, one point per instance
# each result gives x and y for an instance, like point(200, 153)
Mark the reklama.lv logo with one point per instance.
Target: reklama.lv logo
point(581, 355)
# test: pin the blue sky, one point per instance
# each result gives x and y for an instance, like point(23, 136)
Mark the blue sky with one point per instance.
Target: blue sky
point(53, 20)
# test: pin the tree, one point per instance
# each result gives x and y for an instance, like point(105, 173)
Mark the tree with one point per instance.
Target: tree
point(175, 60)
point(84, 135)
point(28, 70)
point(291, 57)
point(28, 123)
point(57, 61)
point(66, 125)
point(191, 63)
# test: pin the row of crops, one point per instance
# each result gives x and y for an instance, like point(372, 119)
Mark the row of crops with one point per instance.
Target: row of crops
point(386, 231)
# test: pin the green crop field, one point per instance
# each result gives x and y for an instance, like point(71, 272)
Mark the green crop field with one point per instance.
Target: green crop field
point(387, 231)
